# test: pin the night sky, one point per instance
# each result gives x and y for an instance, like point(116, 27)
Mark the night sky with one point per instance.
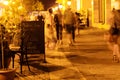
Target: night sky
point(47, 3)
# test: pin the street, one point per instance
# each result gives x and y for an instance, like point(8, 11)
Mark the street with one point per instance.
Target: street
point(87, 59)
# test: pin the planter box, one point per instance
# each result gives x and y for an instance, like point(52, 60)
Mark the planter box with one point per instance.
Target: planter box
point(7, 74)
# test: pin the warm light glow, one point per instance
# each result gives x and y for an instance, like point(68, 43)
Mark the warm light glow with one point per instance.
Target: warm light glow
point(56, 8)
point(112, 4)
point(5, 2)
point(116, 5)
point(1, 11)
point(92, 2)
point(53, 9)
point(69, 3)
point(78, 5)
point(60, 6)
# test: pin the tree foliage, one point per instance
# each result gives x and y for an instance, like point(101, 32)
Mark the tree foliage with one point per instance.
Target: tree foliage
point(12, 12)
point(32, 5)
point(37, 6)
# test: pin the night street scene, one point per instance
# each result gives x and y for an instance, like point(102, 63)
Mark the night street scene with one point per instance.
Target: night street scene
point(59, 39)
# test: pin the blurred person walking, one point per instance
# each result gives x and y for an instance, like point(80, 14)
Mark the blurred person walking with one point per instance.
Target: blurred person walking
point(69, 21)
point(77, 22)
point(58, 17)
point(50, 39)
point(114, 32)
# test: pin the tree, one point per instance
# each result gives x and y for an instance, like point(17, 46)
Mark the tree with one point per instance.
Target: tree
point(16, 8)
point(12, 13)
point(37, 6)
point(32, 5)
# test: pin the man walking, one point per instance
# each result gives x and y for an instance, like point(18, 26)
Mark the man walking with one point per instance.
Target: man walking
point(69, 21)
point(58, 21)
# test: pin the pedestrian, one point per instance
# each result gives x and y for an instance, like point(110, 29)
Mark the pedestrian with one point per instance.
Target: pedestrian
point(58, 17)
point(77, 22)
point(69, 21)
point(114, 32)
point(50, 39)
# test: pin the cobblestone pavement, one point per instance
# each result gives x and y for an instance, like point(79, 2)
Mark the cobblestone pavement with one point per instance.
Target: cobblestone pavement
point(87, 59)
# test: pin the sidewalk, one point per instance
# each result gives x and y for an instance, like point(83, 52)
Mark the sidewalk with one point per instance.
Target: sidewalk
point(85, 60)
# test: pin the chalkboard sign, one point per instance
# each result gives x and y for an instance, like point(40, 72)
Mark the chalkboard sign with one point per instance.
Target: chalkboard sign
point(33, 36)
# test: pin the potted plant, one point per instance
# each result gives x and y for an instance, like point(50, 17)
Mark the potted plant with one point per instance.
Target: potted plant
point(5, 55)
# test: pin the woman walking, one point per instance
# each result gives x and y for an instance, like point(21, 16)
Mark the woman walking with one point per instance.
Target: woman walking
point(114, 35)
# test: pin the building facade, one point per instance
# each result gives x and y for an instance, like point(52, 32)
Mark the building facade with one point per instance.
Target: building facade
point(97, 11)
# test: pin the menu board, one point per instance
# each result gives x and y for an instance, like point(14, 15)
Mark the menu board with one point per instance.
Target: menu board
point(33, 36)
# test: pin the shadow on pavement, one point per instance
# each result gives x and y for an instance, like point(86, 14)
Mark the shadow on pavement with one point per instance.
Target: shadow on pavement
point(91, 59)
point(47, 68)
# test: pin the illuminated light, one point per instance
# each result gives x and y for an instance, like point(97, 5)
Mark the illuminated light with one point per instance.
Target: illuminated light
point(5, 2)
point(69, 3)
point(112, 4)
point(60, 6)
point(92, 2)
point(78, 5)
point(92, 9)
point(55, 9)
point(116, 5)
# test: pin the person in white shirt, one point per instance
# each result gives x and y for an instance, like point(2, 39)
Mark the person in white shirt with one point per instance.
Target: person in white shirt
point(49, 28)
